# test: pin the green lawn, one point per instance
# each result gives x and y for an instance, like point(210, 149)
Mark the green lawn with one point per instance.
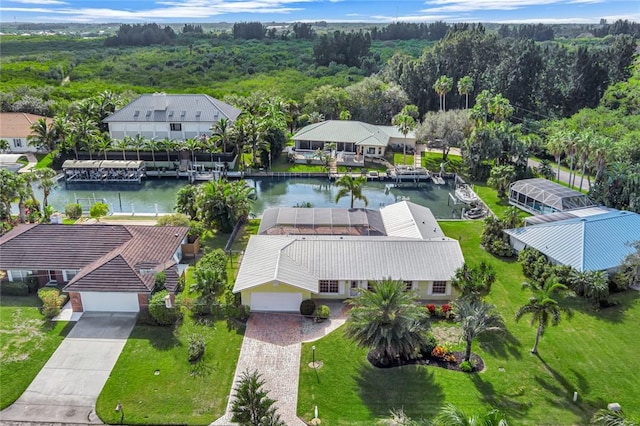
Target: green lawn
point(431, 161)
point(182, 392)
point(44, 161)
point(592, 354)
point(26, 345)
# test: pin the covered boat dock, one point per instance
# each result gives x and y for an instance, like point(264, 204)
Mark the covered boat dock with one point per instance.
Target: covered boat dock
point(103, 171)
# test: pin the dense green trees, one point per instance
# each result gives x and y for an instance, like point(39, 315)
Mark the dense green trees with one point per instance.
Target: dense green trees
point(141, 35)
point(342, 48)
point(221, 203)
point(387, 320)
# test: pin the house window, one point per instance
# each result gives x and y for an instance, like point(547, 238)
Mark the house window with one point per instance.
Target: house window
point(17, 143)
point(17, 274)
point(328, 286)
point(175, 127)
point(68, 274)
point(408, 285)
point(371, 150)
point(354, 284)
point(370, 285)
point(439, 287)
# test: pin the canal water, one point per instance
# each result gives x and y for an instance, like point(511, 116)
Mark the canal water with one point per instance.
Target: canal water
point(159, 195)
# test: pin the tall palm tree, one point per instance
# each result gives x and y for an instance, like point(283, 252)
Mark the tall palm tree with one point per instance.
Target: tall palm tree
point(570, 147)
point(152, 145)
point(555, 146)
point(122, 144)
point(192, 145)
point(10, 184)
point(465, 86)
point(404, 123)
point(43, 135)
point(25, 191)
point(543, 307)
point(168, 145)
point(450, 415)
point(83, 132)
point(476, 318)
point(602, 152)
point(387, 320)
point(221, 132)
point(353, 187)
point(103, 144)
point(137, 142)
point(593, 285)
point(442, 86)
point(585, 144)
point(46, 183)
point(251, 405)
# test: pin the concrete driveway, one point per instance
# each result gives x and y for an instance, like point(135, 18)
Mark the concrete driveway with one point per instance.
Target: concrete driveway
point(67, 387)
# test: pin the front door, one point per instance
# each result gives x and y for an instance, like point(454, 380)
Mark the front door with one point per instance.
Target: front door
point(353, 289)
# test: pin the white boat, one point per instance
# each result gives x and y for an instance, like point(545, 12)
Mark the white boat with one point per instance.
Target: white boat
point(465, 194)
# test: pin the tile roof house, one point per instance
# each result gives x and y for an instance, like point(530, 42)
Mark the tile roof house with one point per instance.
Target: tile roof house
point(351, 136)
point(597, 242)
point(103, 267)
point(162, 115)
point(332, 253)
point(15, 128)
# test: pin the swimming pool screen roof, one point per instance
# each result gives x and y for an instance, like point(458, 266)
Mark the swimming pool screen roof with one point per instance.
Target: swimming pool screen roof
point(549, 193)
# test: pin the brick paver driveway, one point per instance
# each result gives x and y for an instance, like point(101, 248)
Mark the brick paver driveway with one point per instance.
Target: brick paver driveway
point(271, 345)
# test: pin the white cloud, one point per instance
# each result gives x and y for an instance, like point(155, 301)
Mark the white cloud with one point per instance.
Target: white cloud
point(416, 18)
point(40, 2)
point(436, 6)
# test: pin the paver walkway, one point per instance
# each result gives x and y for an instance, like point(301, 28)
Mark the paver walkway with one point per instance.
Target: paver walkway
point(67, 387)
point(272, 345)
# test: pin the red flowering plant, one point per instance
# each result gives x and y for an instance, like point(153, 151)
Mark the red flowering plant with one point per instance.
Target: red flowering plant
point(432, 309)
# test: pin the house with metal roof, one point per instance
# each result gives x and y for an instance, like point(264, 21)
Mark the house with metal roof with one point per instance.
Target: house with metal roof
point(597, 242)
point(331, 253)
point(162, 115)
point(351, 137)
point(541, 196)
point(102, 267)
point(15, 128)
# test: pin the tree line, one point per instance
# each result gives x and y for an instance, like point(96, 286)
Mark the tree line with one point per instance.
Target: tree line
point(141, 35)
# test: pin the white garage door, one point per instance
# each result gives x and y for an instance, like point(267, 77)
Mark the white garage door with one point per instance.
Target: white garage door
point(279, 302)
point(109, 302)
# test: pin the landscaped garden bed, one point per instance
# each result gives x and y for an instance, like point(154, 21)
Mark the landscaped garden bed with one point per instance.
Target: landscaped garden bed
point(455, 358)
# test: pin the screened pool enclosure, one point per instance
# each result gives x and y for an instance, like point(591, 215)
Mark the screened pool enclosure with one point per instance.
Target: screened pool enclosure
point(541, 196)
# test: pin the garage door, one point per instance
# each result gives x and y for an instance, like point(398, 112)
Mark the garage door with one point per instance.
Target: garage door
point(109, 302)
point(279, 302)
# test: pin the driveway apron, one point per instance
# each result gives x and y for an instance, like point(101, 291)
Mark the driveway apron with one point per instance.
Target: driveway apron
point(67, 387)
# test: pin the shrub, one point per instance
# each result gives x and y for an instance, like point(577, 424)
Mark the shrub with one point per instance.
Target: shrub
point(445, 308)
point(466, 366)
point(14, 288)
point(197, 345)
point(73, 210)
point(432, 309)
point(439, 352)
point(32, 283)
point(52, 301)
point(159, 281)
point(430, 343)
point(307, 307)
point(175, 219)
point(323, 312)
point(439, 312)
point(159, 311)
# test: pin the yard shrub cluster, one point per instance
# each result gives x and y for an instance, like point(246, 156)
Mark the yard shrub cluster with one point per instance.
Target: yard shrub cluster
point(14, 288)
point(159, 311)
point(443, 311)
point(322, 313)
point(493, 239)
point(73, 210)
point(197, 346)
point(443, 353)
point(52, 301)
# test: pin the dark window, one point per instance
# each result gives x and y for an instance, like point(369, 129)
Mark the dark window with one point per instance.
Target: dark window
point(408, 285)
point(328, 286)
point(439, 287)
point(175, 127)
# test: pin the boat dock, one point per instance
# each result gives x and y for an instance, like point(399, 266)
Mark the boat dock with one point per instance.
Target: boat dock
point(103, 171)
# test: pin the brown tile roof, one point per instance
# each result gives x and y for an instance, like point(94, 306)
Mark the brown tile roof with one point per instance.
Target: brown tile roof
point(18, 124)
point(109, 257)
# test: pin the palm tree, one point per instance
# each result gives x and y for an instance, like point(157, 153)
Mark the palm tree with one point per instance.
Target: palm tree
point(476, 318)
point(153, 145)
point(122, 144)
point(474, 281)
point(353, 187)
point(606, 417)
point(388, 320)
point(24, 191)
point(103, 144)
point(221, 203)
point(405, 123)
point(453, 416)
point(43, 135)
point(465, 86)
point(569, 141)
point(221, 132)
point(584, 147)
point(186, 201)
point(10, 184)
point(500, 178)
point(555, 146)
point(83, 132)
point(602, 152)
point(46, 183)
point(543, 307)
point(442, 86)
point(168, 145)
point(138, 142)
point(251, 405)
point(192, 145)
point(593, 285)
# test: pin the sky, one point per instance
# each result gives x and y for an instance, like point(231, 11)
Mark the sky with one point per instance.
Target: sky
point(380, 11)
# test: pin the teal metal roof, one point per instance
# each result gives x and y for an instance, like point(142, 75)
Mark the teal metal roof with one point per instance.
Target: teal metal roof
point(592, 243)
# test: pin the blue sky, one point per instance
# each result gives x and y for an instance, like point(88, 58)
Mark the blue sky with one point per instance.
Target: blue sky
point(178, 11)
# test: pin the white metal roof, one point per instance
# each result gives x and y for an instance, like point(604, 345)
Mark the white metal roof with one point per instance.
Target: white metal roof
point(592, 243)
point(410, 220)
point(302, 261)
point(355, 132)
